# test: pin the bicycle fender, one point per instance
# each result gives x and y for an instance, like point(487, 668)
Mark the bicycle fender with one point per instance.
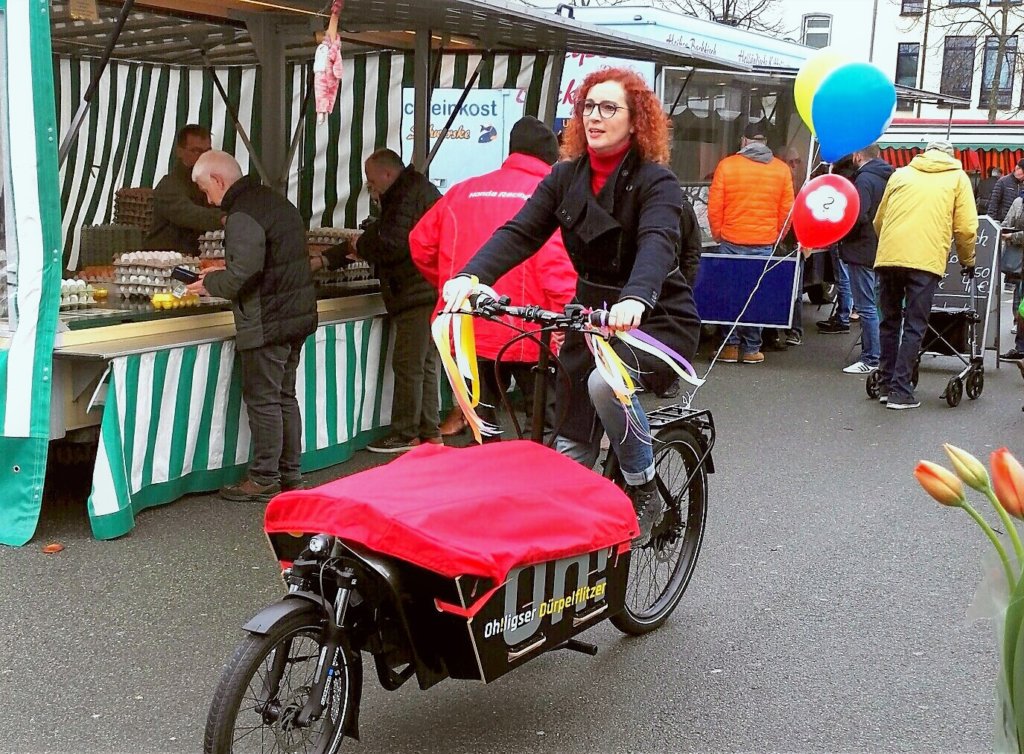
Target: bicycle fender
point(271, 615)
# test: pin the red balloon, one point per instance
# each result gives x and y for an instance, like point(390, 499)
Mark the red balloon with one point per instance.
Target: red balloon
point(824, 211)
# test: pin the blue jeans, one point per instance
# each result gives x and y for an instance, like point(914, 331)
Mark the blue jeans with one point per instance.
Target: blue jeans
point(632, 446)
point(747, 338)
point(844, 298)
point(862, 286)
point(906, 299)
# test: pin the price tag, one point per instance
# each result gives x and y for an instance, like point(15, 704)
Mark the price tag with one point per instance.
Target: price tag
point(84, 10)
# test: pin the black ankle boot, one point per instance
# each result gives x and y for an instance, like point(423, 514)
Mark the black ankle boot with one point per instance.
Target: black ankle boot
point(648, 509)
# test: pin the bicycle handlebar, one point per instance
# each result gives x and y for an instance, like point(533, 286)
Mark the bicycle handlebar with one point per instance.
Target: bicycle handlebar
point(575, 317)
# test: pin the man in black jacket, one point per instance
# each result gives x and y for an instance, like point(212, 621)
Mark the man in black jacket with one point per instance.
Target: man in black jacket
point(1007, 188)
point(268, 280)
point(984, 189)
point(404, 196)
point(857, 250)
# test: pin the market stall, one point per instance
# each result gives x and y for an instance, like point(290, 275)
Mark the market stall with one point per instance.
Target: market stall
point(158, 386)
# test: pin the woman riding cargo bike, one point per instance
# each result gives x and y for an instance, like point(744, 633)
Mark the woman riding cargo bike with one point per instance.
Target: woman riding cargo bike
point(618, 207)
point(468, 562)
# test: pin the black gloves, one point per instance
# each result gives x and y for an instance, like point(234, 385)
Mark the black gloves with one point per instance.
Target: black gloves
point(967, 271)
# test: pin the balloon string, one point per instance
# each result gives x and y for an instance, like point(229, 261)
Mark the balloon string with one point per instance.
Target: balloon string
point(771, 262)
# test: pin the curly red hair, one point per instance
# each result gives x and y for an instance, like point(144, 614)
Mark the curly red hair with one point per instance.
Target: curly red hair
point(650, 129)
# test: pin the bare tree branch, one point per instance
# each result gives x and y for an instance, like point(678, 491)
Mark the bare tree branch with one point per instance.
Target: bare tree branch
point(986, 25)
point(757, 15)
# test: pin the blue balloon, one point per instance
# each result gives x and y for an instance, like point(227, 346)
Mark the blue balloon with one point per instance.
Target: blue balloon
point(851, 109)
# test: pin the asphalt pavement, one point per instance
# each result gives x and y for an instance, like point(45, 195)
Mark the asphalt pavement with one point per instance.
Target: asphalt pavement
point(827, 613)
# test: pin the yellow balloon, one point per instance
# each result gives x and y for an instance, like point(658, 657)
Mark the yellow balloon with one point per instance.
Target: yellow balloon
point(809, 78)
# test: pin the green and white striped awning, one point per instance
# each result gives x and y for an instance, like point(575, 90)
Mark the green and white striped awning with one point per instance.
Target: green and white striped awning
point(128, 136)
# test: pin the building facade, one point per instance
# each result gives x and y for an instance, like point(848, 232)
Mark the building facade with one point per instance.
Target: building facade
point(941, 46)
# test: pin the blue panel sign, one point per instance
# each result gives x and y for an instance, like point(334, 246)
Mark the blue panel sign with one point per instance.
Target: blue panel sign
point(727, 281)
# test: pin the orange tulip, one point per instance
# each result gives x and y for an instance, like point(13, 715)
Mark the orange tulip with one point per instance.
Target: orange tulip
point(1008, 481)
point(940, 483)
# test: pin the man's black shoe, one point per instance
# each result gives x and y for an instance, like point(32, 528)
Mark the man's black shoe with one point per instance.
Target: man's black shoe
point(832, 327)
point(1012, 355)
point(647, 505)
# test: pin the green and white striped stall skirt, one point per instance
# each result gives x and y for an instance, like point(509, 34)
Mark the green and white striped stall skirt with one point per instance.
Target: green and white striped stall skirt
point(174, 422)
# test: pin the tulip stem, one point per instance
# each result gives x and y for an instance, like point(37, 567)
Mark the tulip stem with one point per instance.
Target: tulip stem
point(1011, 579)
point(1011, 530)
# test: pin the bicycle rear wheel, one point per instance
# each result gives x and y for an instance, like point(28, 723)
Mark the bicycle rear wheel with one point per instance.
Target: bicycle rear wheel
point(660, 571)
point(266, 683)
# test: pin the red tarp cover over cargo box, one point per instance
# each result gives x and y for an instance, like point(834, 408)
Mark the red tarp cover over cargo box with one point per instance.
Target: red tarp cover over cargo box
point(479, 511)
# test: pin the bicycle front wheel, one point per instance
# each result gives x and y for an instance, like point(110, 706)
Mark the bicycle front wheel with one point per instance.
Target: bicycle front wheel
point(264, 687)
point(660, 571)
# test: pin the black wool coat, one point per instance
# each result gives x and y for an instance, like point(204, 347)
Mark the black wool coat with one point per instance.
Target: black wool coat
point(624, 243)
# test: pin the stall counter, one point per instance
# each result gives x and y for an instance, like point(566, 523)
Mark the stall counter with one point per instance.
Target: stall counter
point(170, 406)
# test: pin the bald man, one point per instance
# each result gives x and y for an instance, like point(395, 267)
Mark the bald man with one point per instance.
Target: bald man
point(270, 286)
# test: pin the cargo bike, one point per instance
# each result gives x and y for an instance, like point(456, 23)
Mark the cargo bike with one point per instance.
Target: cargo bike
point(456, 563)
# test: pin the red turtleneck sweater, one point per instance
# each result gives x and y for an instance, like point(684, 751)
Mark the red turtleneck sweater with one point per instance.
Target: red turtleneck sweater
point(603, 165)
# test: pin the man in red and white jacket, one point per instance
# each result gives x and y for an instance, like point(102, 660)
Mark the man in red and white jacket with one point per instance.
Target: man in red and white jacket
point(463, 220)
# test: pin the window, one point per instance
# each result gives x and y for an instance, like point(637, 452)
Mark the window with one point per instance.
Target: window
point(957, 66)
point(954, 3)
point(1004, 90)
point(817, 31)
point(907, 57)
point(912, 8)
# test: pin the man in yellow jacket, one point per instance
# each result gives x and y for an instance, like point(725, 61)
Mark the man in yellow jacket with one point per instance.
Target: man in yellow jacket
point(925, 204)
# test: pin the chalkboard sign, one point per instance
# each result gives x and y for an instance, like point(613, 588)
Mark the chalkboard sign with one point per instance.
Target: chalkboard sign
point(726, 281)
point(954, 293)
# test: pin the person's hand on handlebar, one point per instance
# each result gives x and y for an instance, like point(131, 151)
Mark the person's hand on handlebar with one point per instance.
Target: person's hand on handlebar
point(626, 314)
point(456, 291)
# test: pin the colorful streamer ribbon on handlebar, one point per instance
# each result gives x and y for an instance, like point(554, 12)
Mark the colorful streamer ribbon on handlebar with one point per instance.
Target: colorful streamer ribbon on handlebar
point(453, 334)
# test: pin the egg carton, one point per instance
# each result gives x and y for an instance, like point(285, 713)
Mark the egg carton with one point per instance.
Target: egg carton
point(99, 244)
point(134, 206)
point(142, 290)
point(155, 259)
point(76, 294)
point(211, 245)
point(330, 236)
point(357, 272)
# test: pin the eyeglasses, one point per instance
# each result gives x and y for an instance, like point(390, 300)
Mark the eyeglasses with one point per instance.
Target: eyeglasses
point(606, 109)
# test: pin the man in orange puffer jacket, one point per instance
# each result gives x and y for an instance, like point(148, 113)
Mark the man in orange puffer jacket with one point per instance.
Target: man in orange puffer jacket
point(751, 196)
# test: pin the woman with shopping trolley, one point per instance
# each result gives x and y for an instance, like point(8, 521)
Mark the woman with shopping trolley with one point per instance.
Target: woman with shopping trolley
point(618, 207)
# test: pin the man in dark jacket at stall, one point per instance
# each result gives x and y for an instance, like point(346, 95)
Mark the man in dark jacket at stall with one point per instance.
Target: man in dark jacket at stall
point(270, 286)
point(180, 211)
point(857, 250)
point(984, 189)
point(1007, 188)
point(404, 196)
